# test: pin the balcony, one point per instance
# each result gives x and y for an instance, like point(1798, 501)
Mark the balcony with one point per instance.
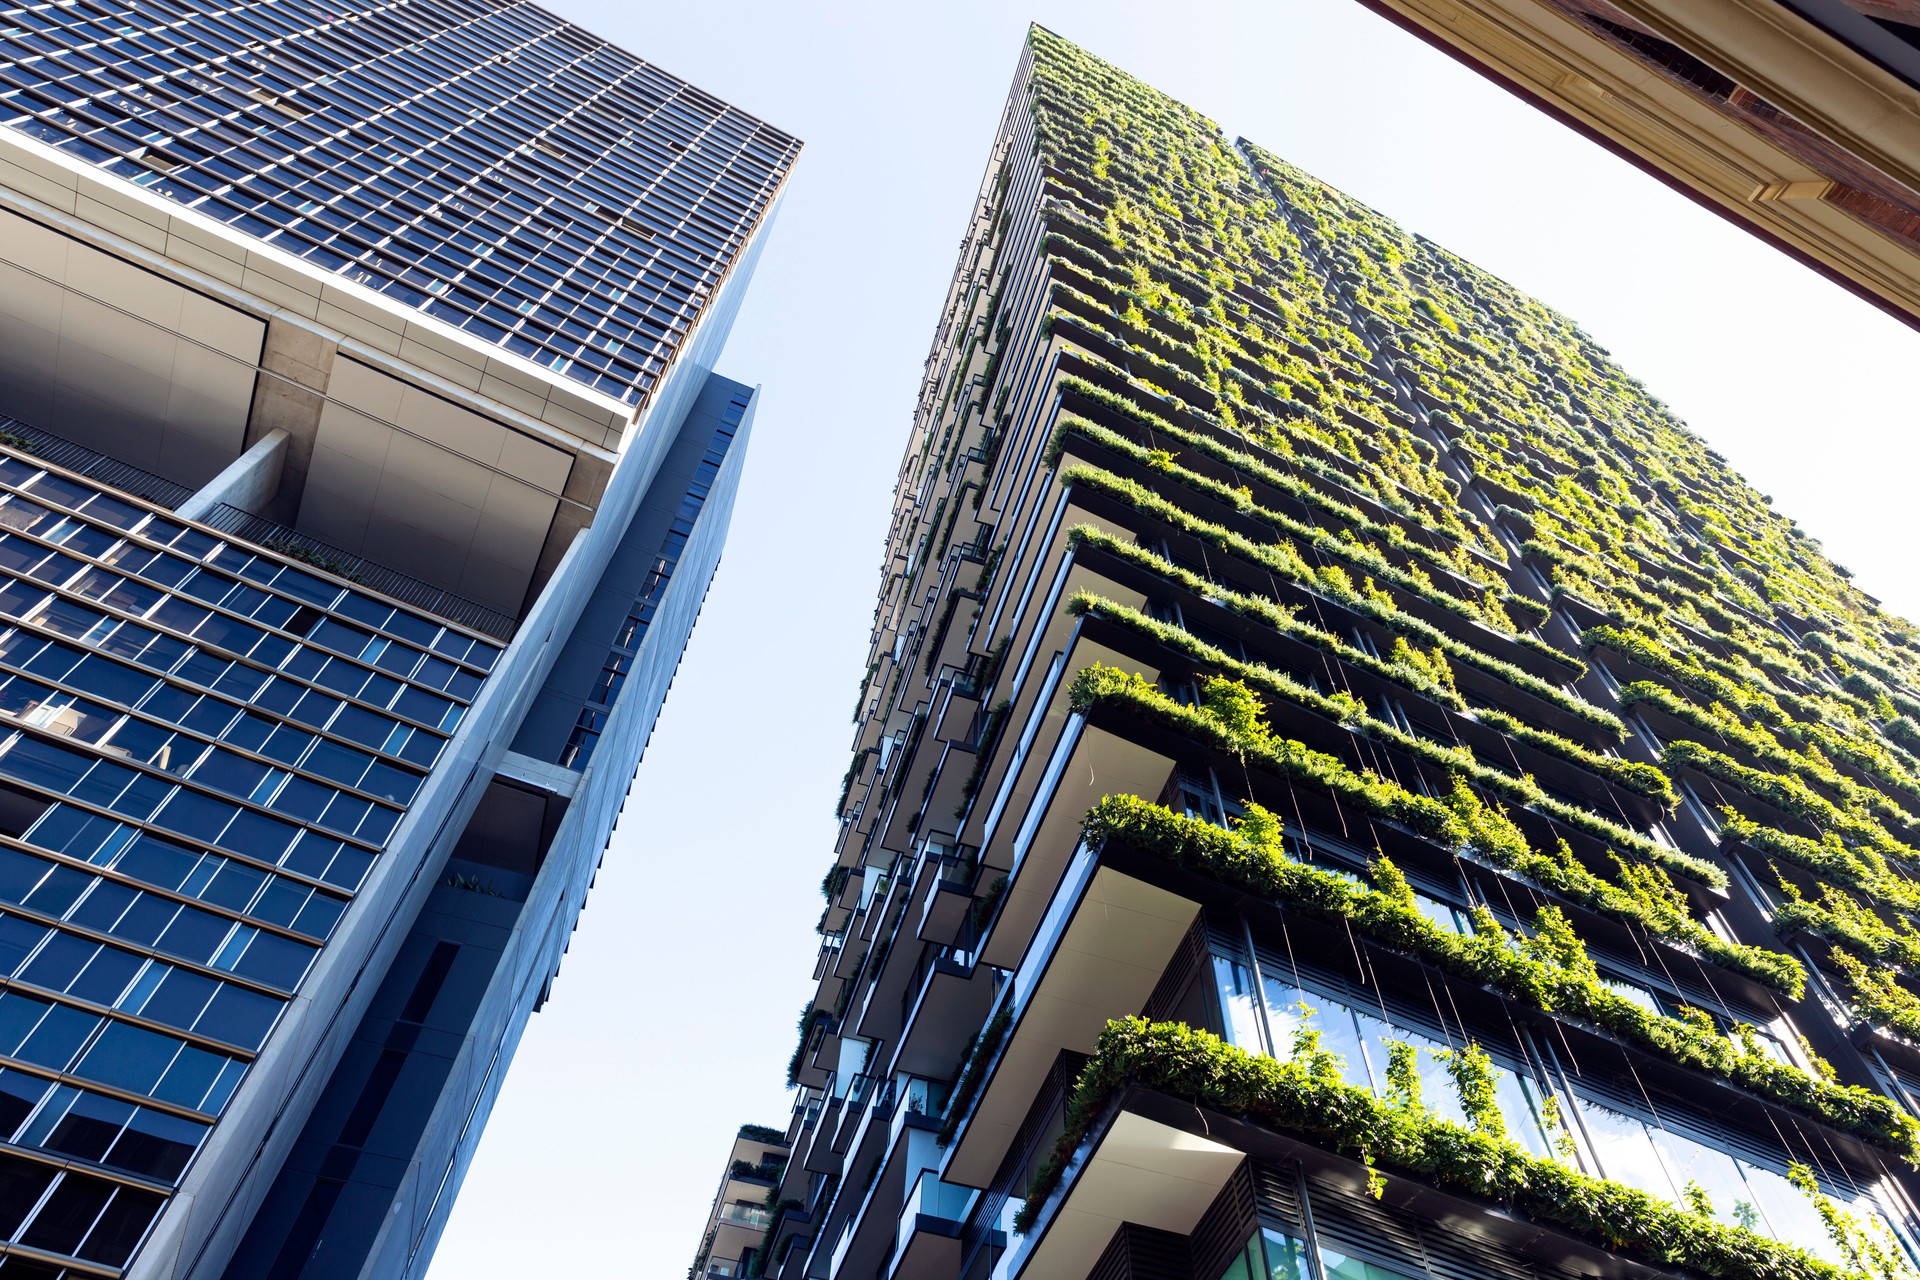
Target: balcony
point(790, 1233)
point(60, 452)
point(1098, 953)
point(947, 906)
point(1052, 787)
point(868, 1238)
point(878, 1016)
point(956, 702)
point(927, 1243)
point(1135, 1167)
point(940, 813)
point(790, 1263)
point(1010, 782)
point(749, 1216)
point(947, 996)
point(861, 1090)
point(816, 1154)
point(830, 945)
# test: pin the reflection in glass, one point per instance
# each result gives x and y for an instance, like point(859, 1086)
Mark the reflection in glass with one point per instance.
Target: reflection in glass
point(1339, 1266)
point(1286, 1257)
point(1234, 982)
point(1625, 1150)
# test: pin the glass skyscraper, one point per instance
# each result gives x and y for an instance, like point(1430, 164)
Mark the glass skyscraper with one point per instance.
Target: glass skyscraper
point(362, 471)
point(1347, 786)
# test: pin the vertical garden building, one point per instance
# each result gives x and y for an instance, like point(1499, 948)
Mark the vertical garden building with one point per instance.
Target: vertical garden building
point(1346, 784)
point(362, 470)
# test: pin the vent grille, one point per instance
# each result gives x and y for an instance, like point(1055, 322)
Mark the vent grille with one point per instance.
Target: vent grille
point(1366, 1229)
point(1226, 1226)
point(1276, 1191)
point(1191, 955)
point(1142, 1253)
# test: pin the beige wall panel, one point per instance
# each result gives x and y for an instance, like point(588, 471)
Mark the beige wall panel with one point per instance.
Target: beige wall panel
point(423, 486)
point(118, 359)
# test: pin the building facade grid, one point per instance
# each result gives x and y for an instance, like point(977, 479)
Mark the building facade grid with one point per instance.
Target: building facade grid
point(486, 163)
point(205, 747)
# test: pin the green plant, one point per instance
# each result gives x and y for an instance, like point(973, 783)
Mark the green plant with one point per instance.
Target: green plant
point(1839, 916)
point(318, 559)
point(971, 1070)
point(1788, 794)
point(1548, 970)
point(1284, 562)
point(990, 732)
point(1303, 1098)
point(847, 780)
point(982, 909)
point(699, 1267)
point(1364, 789)
point(1475, 1079)
point(1877, 995)
point(471, 884)
point(769, 1169)
point(1869, 1247)
point(810, 1018)
point(1864, 868)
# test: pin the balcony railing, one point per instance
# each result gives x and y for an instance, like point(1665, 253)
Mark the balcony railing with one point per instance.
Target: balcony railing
point(931, 1198)
point(921, 1097)
point(81, 460)
point(860, 1088)
point(412, 591)
point(746, 1215)
point(963, 679)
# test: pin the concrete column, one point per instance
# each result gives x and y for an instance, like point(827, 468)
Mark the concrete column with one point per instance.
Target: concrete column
point(288, 396)
point(579, 501)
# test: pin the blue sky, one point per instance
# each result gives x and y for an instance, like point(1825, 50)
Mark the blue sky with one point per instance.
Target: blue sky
point(673, 1016)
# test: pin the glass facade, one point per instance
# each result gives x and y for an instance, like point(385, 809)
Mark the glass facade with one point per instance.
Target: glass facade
point(203, 748)
point(486, 163)
point(1661, 1148)
point(1616, 1128)
point(632, 632)
point(248, 808)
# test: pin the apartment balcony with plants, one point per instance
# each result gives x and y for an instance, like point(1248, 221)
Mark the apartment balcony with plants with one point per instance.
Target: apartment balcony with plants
point(1345, 783)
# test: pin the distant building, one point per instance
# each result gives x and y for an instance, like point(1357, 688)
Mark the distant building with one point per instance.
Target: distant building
point(362, 470)
point(736, 1230)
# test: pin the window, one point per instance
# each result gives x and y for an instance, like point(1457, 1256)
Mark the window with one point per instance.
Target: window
point(1288, 1016)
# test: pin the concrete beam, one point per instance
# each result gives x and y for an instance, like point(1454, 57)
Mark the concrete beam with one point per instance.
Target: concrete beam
point(249, 482)
point(542, 775)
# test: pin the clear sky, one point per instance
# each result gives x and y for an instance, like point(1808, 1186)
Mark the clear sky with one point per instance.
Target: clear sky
point(673, 1015)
